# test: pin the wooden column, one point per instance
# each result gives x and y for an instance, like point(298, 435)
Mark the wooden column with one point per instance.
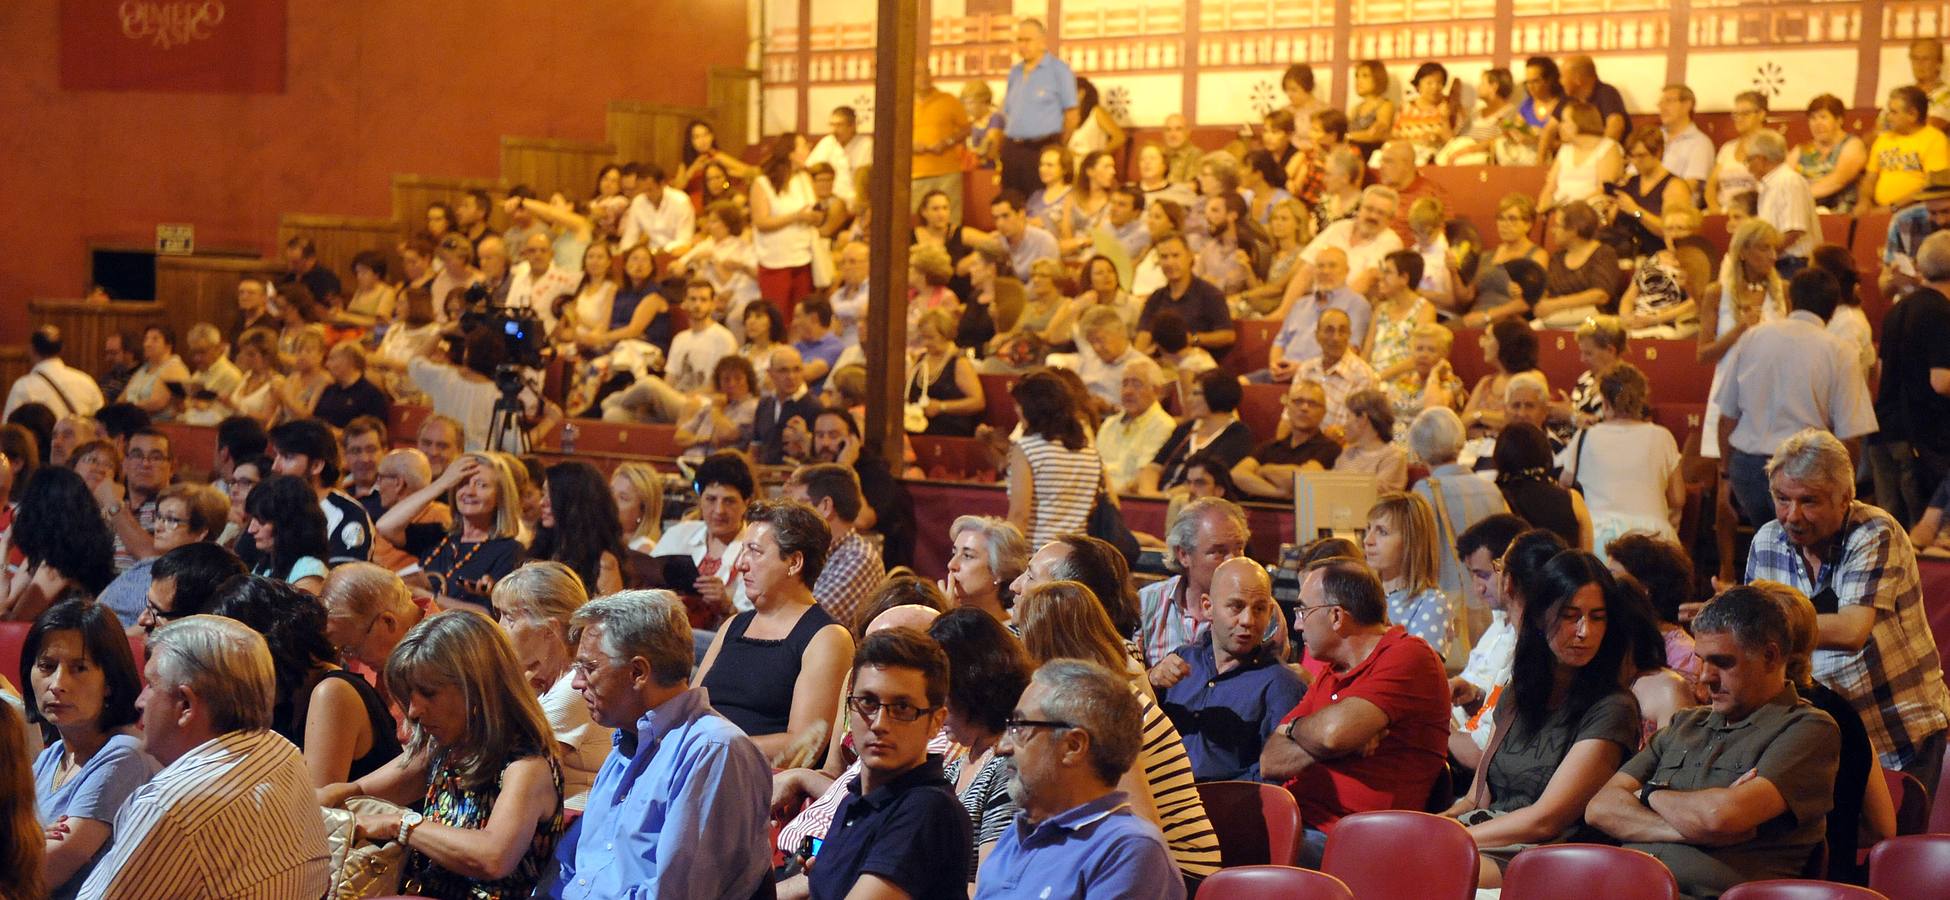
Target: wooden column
point(890, 186)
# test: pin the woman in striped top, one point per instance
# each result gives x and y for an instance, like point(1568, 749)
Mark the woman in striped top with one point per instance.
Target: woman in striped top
point(988, 670)
point(1062, 619)
point(1054, 472)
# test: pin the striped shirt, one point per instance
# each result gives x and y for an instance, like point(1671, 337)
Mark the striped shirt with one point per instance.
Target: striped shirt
point(1065, 483)
point(234, 817)
point(1168, 772)
point(986, 798)
point(1895, 681)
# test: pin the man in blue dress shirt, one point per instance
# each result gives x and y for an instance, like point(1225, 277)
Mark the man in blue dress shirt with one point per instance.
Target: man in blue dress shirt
point(1235, 690)
point(679, 808)
point(1073, 735)
point(1039, 109)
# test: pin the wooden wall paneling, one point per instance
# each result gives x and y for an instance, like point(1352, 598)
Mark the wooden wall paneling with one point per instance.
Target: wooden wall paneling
point(730, 95)
point(413, 193)
point(339, 238)
point(548, 165)
point(14, 362)
point(649, 132)
point(84, 326)
point(192, 289)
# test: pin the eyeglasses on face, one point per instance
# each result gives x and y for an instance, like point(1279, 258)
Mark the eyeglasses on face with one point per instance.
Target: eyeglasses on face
point(868, 707)
point(1301, 611)
point(1017, 727)
point(168, 522)
point(589, 667)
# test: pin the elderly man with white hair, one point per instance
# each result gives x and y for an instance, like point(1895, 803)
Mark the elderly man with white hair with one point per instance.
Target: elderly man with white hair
point(1786, 201)
point(1365, 239)
point(1132, 436)
point(1460, 498)
point(232, 812)
point(367, 611)
point(1207, 532)
point(1857, 565)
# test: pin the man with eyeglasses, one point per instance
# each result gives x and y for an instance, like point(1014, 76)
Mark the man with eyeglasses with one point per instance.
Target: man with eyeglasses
point(1372, 731)
point(184, 582)
point(679, 807)
point(147, 468)
point(1364, 239)
point(1073, 735)
point(900, 831)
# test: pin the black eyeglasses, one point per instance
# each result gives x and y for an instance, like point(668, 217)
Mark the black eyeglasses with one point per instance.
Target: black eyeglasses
point(868, 707)
point(1015, 726)
point(162, 615)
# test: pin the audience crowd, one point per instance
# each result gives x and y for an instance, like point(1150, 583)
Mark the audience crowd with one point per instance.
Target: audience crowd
point(503, 674)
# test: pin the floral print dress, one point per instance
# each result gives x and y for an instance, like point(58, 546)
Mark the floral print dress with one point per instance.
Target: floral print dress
point(451, 802)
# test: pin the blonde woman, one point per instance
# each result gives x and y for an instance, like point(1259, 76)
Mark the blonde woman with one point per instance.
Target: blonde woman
point(1401, 547)
point(639, 492)
point(534, 604)
point(480, 768)
point(461, 565)
point(1749, 292)
point(257, 395)
point(297, 393)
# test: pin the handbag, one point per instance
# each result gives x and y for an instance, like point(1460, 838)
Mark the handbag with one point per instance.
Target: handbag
point(823, 269)
point(1106, 523)
point(914, 416)
point(362, 870)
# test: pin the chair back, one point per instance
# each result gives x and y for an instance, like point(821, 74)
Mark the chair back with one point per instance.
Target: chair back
point(1365, 850)
point(1912, 802)
point(1272, 883)
point(1258, 824)
point(1911, 867)
point(1800, 889)
point(1597, 870)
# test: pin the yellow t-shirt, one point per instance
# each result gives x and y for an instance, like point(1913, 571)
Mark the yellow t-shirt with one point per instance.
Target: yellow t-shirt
point(1903, 162)
point(937, 116)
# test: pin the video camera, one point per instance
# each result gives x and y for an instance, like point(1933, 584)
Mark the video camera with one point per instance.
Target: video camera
point(520, 328)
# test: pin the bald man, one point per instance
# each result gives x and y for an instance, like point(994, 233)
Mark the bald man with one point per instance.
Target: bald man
point(782, 427)
point(1236, 690)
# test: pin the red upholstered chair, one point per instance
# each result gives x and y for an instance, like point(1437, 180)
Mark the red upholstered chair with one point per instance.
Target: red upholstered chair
point(1912, 802)
point(1801, 889)
point(1366, 850)
point(1911, 867)
point(1258, 824)
point(1596, 869)
point(1272, 883)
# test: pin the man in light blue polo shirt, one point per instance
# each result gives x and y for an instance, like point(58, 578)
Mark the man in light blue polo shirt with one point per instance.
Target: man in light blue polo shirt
point(1073, 734)
point(1023, 242)
point(1039, 109)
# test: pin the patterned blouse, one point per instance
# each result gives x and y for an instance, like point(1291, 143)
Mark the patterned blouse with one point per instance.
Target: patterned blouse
point(451, 802)
point(987, 799)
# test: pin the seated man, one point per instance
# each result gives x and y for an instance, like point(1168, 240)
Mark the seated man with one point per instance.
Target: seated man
point(1237, 690)
point(232, 813)
point(782, 427)
point(1022, 242)
point(818, 343)
point(1295, 343)
point(1072, 737)
point(403, 473)
point(184, 582)
point(1365, 239)
point(1207, 532)
point(1370, 733)
point(305, 448)
point(1202, 306)
point(679, 807)
point(1132, 436)
point(440, 440)
point(209, 360)
point(694, 354)
point(900, 831)
point(362, 445)
point(1339, 370)
point(853, 569)
point(1269, 471)
point(1104, 351)
point(1480, 547)
point(1398, 172)
point(367, 611)
point(1739, 790)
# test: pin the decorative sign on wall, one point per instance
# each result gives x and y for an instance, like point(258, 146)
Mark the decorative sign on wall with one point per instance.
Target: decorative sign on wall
point(175, 239)
point(207, 46)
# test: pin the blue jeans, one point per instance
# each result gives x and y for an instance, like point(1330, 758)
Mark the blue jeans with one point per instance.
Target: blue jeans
point(1313, 846)
point(1748, 475)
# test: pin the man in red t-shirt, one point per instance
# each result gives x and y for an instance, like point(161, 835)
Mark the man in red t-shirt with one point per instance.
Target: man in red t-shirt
point(1371, 732)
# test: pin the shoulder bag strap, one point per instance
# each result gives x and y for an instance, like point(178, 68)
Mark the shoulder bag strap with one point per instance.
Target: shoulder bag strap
point(1479, 785)
point(65, 402)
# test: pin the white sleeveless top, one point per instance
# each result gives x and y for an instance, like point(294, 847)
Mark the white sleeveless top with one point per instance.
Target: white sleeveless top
point(789, 247)
point(1579, 180)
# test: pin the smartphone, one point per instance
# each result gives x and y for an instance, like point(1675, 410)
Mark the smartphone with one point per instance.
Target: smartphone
point(1611, 189)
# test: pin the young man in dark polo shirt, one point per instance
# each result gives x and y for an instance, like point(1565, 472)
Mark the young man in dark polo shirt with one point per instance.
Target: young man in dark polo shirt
point(1201, 304)
point(900, 826)
point(1269, 471)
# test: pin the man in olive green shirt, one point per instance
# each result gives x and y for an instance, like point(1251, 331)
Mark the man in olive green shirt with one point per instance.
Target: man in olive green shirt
point(1739, 791)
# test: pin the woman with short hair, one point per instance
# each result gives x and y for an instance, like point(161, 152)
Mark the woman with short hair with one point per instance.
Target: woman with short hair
point(533, 605)
point(988, 670)
point(1370, 432)
point(1625, 466)
point(81, 682)
point(1582, 278)
point(1211, 426)
point(1587, 160)
point(480, 777)
point(986, 555)
point(726, 484)
point(186, 513)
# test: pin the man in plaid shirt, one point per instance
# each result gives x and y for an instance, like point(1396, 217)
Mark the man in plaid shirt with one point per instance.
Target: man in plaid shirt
point(1855, 562)
point(853, 567)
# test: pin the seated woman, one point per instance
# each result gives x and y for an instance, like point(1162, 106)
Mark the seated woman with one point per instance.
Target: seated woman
point(533, 605)
point(775, 670)
point(81, 682)
point(1582, 278)
point(1566, 725)
point(761, 328)
point(1063, 619)
point(943, 386)
point(580, 527)
point(1661, 691)
point(1211, 426)
point(373, 297)
point(462, 562)
point(1510, 347)
point(1601, 345)
point(726, 420)
point(1369, 449)
point(1430, 382)
point(1404, 549)
point(1662, 300)
point(988, 669)
point(479, 777)
point(1662, 567)
point(1523, 472)
point(186, 513)
point(1056, 170)
point(638, 491)
point(297, 393)
point(1516, 218)
point(988, 553)
point(288, 531)
point(1832, 160)
point(337, 718)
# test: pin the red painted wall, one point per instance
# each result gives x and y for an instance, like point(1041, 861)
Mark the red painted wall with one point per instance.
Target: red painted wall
point(374, 88)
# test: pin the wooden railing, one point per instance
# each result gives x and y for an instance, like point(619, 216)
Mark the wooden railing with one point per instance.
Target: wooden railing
point(85, 326)
point(340, 238)
point(648, 131)
point(549, 166)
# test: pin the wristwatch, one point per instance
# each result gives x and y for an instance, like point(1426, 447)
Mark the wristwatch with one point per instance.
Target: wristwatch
point(1650, 788)
point(1289, 728)
point(408, 820)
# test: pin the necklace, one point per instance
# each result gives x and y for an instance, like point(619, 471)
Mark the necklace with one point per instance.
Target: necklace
point(448, 541)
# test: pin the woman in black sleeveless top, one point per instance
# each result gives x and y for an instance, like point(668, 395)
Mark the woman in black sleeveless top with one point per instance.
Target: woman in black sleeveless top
point(776, 670)
point(1523, 473)
point(1638, 222)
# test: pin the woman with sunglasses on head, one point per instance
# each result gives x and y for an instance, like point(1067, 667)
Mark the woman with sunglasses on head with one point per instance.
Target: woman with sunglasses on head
point(81, 683)
point(462, 563)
